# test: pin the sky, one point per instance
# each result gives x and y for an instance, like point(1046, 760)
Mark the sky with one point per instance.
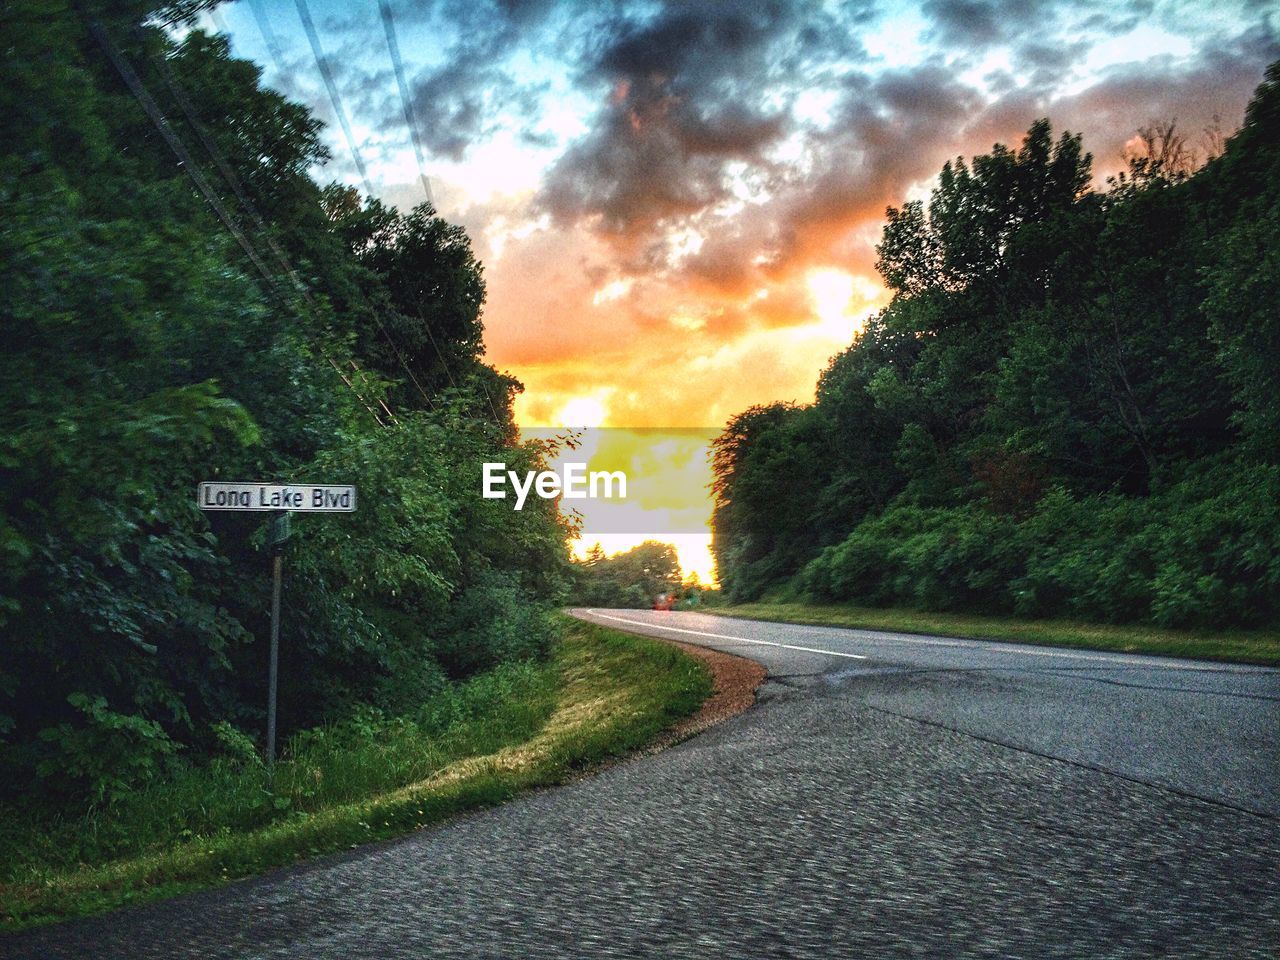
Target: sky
point(676, 203)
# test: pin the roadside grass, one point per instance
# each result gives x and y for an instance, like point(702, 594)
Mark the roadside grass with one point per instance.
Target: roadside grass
point(1237, 646)
point(601, 694)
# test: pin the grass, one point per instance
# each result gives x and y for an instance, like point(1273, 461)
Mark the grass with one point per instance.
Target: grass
point(1237, 646)
point(603, 693)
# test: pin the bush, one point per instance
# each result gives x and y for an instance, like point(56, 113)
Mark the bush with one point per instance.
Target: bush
point(107, 755)
point(495, 620)
point(1205, 552)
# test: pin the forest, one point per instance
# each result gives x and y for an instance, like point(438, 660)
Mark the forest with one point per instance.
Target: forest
point(1070, 407)
point(182, 302)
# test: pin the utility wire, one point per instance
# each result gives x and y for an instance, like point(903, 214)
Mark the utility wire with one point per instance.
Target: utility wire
point(219, 21)
point(237, 187)
point(233, 181)
point(335, 98)
point(410, 120)
point(449, 373)
point(304, 14)
point(179, 149)
point(403, 362)
point(161, 123)
point(406, 102)
point(268, 34)
point(228, 172)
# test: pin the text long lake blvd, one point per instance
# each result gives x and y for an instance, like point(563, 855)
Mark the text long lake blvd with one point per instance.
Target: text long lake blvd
point(305, 498)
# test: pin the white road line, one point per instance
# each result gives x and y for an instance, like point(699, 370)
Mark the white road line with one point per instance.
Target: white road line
point(891, 637)
point(1003, 646)
point(984, 646)
point(722, 636)
point(1112, 658)
point(1162, 662)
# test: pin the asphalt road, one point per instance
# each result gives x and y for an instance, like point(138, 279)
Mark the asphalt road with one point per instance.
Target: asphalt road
point(890, 796)
point(1209, 730)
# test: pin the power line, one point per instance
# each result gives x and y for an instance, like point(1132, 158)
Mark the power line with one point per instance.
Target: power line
point(179, 149)
point(334, 97)
point(268, 34)
point(304, 14)
point(227, 171)
point(393, 45)
point(219, 21)
point(426, 325)
point(237, 187)
point(388, 25)
point(161, 123)
point(403, 362)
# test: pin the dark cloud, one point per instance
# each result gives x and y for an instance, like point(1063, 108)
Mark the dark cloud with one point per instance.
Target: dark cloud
point(464, 99)
point(1212, 87)
point(704, 122)
point(889, 131)
point(690, 92)
point(655, 157)
point(894, 129)
point(966, 25)
point(1046, 61)
point(461, 102)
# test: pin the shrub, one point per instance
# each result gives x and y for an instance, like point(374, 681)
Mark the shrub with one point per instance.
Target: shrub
point(107, 755)
point(1205, 552)
point(495, 620)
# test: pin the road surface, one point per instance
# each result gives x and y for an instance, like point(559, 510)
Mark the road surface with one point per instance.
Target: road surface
point(890, 796)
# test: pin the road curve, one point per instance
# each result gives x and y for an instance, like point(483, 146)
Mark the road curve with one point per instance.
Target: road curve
point(1208, 730)
point(890, 796)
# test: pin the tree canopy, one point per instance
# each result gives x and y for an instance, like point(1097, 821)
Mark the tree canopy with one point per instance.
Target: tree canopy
point(158, 334)
point(1069, 407)
point(632, 578)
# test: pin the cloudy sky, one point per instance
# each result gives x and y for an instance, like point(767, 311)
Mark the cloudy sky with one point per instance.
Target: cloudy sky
point(676, 203)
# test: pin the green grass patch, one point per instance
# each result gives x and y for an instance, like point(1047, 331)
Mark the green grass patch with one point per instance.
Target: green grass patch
point(603, 693)
point(1238, 646)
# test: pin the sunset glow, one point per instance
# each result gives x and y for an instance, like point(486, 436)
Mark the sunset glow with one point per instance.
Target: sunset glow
point(677, 205)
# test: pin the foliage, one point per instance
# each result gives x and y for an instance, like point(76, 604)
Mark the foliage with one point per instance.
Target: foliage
point(1069, 408)
point(633, 579)
point(371, 776)
point(493, 621)
point(145, 352)
point(106, 756)
point(1098, 557)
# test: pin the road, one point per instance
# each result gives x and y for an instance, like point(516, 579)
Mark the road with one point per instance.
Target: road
point(890, 796)
point(1208, 730)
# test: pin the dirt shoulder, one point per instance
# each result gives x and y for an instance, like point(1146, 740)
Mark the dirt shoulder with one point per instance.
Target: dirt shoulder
point(736, 680)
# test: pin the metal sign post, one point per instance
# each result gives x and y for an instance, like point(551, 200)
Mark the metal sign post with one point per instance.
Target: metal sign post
point(281, 499)
point(279, 534)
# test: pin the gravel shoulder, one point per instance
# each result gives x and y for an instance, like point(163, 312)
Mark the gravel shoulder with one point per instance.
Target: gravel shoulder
point(736, 681)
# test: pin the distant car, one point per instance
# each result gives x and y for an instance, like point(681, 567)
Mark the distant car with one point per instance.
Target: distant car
point(664, 601)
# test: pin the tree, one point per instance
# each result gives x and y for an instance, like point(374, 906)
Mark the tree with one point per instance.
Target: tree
point(634, 578)
point(1068, 408)
point(146, 352)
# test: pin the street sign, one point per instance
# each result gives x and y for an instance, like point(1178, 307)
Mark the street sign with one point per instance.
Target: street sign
point(281, 499)
point(297, 497)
